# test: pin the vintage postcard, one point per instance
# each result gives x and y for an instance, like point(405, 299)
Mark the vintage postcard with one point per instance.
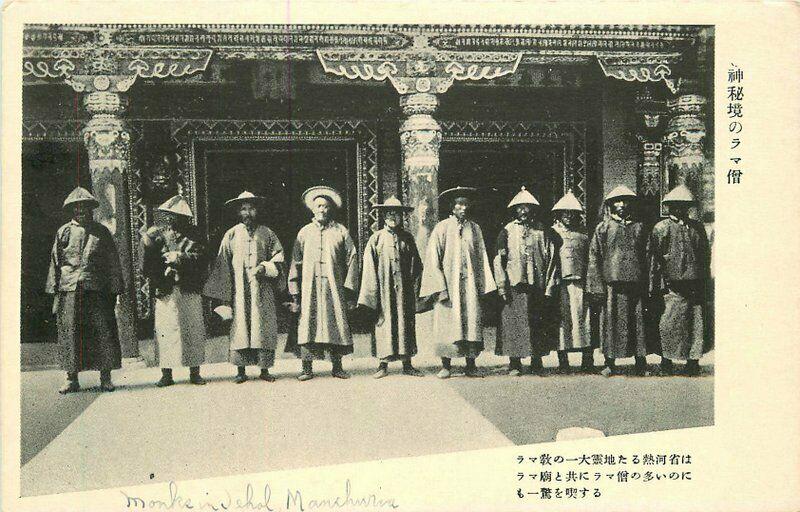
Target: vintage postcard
point(413, 256)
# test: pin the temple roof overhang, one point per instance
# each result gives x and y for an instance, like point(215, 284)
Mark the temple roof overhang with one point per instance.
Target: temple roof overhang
point(372, 52)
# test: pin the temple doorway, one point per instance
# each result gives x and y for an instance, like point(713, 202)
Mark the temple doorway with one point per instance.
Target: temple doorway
point(279, 171)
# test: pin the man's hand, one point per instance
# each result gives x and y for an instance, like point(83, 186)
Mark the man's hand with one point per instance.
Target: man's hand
point(171, 257)
point(260, 271)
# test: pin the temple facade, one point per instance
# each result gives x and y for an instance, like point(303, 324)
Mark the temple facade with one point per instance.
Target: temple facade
point(137, 113)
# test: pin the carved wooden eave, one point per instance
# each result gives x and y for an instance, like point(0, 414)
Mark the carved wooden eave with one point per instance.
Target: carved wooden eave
point(469, 52)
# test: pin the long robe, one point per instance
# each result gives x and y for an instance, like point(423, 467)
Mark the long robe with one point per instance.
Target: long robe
point(254, 331)
point(574, 331)
point(526, 269)
point(179, 327)
point(679, 258)
point(618, 271)
point(85, 276)
point(456, 262)
point(323, 271)
point(390, 281)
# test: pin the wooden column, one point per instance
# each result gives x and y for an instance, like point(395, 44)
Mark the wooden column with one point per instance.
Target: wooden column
point(420, 139)
point(107, 142)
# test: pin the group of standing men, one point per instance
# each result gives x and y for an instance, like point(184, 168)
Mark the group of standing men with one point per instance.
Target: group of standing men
point(549, 280)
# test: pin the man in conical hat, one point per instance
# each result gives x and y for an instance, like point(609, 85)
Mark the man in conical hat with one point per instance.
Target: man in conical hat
point(323, 283)
point(173, 259)
point(575, 324)
point(526, 272)
point(390, 280)
point(86, 277)
point(679, 257)
point(456, 275)
point(247, 275)
point(617, 281)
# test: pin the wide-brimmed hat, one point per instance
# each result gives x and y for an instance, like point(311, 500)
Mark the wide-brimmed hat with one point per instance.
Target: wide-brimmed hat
point(81, 195)
point(245, 197)
point(620, 191)
point(568, 203)
point(450, 193)
point(177, 205)
point(321, 191)
point(393, 204)
point(523, 197)
point(679, 194)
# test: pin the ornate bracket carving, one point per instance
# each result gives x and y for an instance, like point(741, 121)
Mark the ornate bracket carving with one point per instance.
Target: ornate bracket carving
point(421, 69)
point(111, 68)
point(642, 68)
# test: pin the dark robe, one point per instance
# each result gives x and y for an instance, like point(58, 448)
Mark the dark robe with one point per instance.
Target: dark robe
point(526, 270)
point(679, 275)
point(86, 276)
point(390, 281)
point(618, 272)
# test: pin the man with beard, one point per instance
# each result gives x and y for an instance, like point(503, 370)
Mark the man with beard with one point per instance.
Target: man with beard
point(390, 280)
point(456, 275)
point(247, 274)
point(573, 251)
point(86, 277)
point(323, 283)
point(174, 263)
point(679, 257)
point(525, 269)
point(617, 281)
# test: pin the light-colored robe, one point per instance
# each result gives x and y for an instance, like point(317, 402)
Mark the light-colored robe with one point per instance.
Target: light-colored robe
point(390, 280)
point(179, 326)
point(526, 269)
point(456, 262)
point(255, 324)
point(324, 264)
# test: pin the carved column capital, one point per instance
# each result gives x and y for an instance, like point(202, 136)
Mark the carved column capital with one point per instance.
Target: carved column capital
point(685, 138)
point(106, 134)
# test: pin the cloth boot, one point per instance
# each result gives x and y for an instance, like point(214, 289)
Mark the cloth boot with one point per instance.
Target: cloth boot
point(640, 366)
point(383, 370)
point(692, 368)
point(241, 375)
point(194, 376)
point(337, 370)
point(667, 367)
point(471, 369)
point(308, 370)
point(105, 381)
point(536, 365)
point(408, 369)
point(515, 367)
point(563, 361)
point(444, 373)
point(166, 378)
point(71, 385)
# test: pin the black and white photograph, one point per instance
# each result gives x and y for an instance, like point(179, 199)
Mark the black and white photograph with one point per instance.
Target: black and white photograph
point(254, 247)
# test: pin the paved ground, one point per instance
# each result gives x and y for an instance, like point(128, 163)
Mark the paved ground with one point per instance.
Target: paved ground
point(141, 434)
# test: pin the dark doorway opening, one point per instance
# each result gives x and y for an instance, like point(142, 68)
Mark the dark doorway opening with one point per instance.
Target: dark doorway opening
point(50, 170)
point(498, 170)
point(279, 171)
